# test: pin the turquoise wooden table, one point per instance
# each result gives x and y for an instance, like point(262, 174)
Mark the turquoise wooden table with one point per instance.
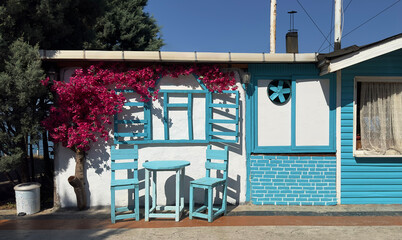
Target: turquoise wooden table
point(154, 167)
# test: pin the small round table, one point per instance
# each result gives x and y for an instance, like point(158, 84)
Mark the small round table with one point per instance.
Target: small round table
point(156, 166)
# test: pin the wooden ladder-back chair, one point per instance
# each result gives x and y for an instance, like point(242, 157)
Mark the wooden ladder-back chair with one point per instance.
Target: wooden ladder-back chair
point(208, 183)
point(122, 184)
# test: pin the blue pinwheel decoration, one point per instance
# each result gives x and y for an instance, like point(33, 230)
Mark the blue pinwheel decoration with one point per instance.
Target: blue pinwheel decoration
point(279, 91)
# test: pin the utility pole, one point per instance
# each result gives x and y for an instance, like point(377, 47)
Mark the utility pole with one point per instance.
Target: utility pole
point(337, 46)
point(273, 27)
point(338, 25)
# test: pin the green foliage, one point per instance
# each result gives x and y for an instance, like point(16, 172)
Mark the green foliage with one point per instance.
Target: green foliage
point(21, 108)
point(75, 24)
point(53, 24)
point(125, 26)
point(3, 51)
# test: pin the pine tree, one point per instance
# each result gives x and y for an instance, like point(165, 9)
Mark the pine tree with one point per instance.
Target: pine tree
point(57, 25)
point(20, 108)
point(53, 24)
point(125, 26)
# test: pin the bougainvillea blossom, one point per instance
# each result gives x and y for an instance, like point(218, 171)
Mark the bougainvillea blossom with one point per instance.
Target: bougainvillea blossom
point(86, 103)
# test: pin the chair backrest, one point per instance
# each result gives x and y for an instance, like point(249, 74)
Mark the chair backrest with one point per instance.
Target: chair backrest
point(124, 154)
point(222, 164)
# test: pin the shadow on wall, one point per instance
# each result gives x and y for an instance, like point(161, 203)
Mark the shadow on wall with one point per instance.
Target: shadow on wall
point(170, 186)
point(130, 195)
point(97, 158)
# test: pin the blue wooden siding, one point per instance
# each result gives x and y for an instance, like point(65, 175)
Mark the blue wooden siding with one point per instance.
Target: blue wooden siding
point(368, 180)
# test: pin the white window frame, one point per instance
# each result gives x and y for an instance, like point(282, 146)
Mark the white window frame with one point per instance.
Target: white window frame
point(380, 79)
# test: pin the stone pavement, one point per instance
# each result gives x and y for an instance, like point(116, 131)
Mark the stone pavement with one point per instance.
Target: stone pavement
point(244, 221)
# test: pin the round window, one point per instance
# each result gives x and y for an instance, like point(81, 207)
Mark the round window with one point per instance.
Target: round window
point(279, 91)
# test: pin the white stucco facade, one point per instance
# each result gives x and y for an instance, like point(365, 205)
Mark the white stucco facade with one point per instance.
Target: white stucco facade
point(98, 172)
point(311, 115)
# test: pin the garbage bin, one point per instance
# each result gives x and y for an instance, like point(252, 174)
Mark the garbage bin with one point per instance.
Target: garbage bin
point(27, 197)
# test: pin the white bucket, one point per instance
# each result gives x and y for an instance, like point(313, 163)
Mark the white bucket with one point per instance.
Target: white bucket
point(27, 197)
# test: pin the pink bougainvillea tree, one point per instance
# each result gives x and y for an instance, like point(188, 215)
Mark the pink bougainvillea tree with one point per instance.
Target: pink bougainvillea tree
point(84, 105)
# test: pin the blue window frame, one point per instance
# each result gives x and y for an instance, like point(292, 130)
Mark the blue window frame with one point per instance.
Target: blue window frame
point(292, 148)
point(232, 135)
point(216, 129)
point(136, 129)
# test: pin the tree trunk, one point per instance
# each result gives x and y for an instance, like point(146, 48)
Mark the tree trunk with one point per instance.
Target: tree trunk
point(49, 165)
point(32, 161)
point(78, 181)
point(10, 179)
point(24, 161)
point(18, 176)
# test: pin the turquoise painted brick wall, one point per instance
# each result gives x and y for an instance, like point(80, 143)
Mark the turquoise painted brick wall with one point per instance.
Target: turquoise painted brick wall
point(290, 180)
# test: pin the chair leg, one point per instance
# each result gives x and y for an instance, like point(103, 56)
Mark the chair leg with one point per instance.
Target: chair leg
point(224, 198)
point(146, 195)
point(112, 205)
point(205, 197)
point(210, 206)
point(177, 212)
point(191, 203)
point(154, 191)
point(137, 202)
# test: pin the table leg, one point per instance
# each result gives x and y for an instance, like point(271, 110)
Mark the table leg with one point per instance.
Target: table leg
point(146, 195)
point(183, 173)
point(154, 192)
point(178, 195)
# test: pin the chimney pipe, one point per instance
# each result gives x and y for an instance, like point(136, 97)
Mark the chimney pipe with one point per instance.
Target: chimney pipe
point(338, 25)
point(273, 27)
point(292, 45)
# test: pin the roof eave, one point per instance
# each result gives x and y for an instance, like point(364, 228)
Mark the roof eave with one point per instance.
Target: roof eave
point(329, 65)
point(159, 56)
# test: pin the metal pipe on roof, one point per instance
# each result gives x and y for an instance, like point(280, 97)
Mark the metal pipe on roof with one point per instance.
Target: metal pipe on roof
point(338, 24)
point(272, 46)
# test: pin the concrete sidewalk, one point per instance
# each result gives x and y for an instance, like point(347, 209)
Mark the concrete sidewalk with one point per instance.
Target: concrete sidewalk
point(244, 221)
point(239, 210)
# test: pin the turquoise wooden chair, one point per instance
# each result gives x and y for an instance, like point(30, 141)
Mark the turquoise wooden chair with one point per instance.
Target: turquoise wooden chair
point(121, 184)
point(208, 183)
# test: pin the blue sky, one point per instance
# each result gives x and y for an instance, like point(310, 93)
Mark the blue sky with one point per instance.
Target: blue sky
point(243, 26)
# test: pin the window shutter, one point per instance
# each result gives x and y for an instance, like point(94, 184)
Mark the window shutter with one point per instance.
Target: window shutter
point(223, 117)
point(131, 130)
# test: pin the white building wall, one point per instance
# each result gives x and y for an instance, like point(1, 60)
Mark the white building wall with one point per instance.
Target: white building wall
point(311, 115)
point(312, 112)
point(274, 121)
point(98, 158)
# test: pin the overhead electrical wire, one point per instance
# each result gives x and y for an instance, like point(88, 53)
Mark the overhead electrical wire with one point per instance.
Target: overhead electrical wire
point(331, 26)
point(326, 38)
point(346, 8)
point(368, 20)
point(342, 21)
point(329, 35)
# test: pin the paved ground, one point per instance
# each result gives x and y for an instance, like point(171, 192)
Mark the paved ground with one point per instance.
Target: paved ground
point(242, 222)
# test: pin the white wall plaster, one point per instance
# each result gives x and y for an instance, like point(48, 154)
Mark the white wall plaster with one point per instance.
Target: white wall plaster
point(312, 112)
point(274, 121)
point(98, 158)
point(312, 115)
